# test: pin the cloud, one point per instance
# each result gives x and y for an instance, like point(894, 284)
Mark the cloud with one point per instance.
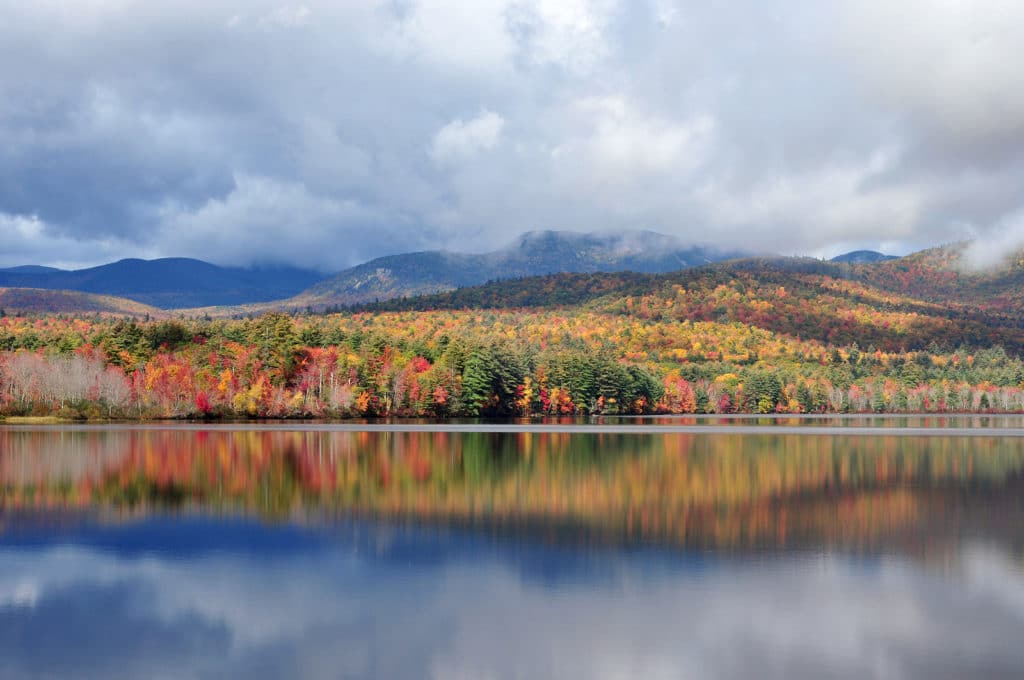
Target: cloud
point(631, 146)
point(841, 201)
point(570, 34)
point(289, 16)
point(26, 238)
point(266, 220)
point(943, 73)
point(967, 50)
point(152, 128)
point(461, 139)
point(455, 37)
point(995, 248)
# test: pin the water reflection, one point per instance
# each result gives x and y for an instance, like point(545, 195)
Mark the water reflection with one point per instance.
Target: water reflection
point(993, 421)
point(211, 553)
point(379, 601)
point(718, 491)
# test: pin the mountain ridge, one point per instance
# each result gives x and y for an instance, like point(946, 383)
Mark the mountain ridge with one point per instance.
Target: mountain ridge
point(531, 254)
point(862, 257)
point(179, 283)
point(892, 305)
point(168, 283)
point(49, 301)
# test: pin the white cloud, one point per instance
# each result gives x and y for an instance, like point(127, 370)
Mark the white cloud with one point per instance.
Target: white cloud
point(461, 139)
point(839, 202)
point(288, 16)
point(630, 146)
point(572, 34)
point(996, 246)
point(26, 239)
point(951, 64)
point(17, 227)
point(452, 34)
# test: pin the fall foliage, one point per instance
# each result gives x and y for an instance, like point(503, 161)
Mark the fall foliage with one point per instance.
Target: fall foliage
point(621, 356)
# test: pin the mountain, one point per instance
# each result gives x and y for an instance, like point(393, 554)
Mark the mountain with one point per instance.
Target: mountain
point(534, 253)
point(909, 303)
point(760, 334)
point(169, 283)
point(40, 301)
point(944, 276)
point(31, 269)
point(862, 257)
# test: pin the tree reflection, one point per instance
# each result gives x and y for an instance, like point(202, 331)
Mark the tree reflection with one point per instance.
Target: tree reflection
point(706, 490)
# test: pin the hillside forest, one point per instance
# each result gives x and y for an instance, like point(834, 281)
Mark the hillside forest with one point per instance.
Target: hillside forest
point(670, 351)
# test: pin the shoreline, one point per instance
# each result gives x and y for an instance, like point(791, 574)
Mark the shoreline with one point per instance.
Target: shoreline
point(593, 428)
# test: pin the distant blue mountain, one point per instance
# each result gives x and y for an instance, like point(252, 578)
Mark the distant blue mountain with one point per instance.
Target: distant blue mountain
point(169, 283)
point(178, 283)
point(31, 269)
point(862, 257)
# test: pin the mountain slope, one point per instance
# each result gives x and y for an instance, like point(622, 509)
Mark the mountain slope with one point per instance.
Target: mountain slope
point(943, 275)
point(533, 254)
point(170, 283)
point(40, 301)
point(31, 269)
point(862, 257)
point(807, 298)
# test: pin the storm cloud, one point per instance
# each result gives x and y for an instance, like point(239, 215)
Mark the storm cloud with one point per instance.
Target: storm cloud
point(325, 133)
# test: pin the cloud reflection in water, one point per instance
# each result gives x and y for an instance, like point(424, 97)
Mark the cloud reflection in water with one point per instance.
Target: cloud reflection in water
point(358, 601)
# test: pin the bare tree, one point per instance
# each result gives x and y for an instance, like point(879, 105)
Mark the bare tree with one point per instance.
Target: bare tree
point(28, 377)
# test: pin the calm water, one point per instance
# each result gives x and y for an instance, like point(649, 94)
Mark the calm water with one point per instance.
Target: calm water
point(651, 548)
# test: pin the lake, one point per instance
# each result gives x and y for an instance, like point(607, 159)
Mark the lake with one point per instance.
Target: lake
point(651, 548)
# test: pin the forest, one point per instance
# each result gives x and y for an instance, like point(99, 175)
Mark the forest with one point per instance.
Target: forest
point(656, 353)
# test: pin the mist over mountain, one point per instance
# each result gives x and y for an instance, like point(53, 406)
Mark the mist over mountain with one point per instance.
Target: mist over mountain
point(181, 283)
point(532, 254)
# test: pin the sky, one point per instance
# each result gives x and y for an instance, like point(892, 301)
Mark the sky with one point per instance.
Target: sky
point(322, 134)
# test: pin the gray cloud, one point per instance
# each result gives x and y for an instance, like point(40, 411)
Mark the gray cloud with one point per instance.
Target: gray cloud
point(324, 133)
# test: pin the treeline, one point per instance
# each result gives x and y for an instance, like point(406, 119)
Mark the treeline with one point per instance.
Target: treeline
point(474, 363)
